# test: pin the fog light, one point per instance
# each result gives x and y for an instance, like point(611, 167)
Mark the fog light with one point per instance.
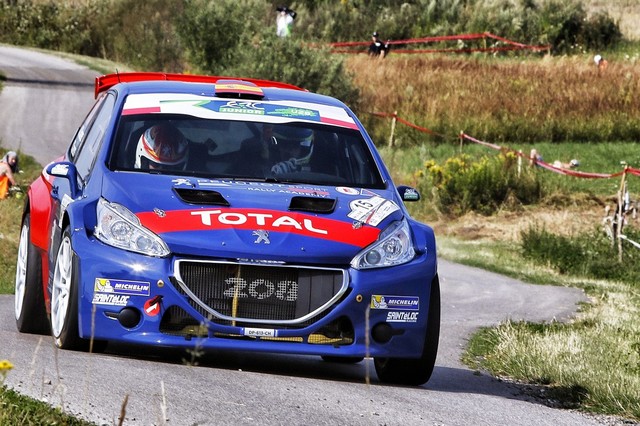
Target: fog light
point(129, 317)
point(382, 333)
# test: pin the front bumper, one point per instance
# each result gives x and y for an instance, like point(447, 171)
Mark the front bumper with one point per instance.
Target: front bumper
point(127, 297)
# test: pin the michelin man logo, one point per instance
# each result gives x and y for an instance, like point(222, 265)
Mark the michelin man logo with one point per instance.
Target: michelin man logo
point(378, 302)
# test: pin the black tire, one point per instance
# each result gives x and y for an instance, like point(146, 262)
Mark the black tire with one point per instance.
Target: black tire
point(64, 297)
point(342, 359)
point(30, 312)
point(416, 371)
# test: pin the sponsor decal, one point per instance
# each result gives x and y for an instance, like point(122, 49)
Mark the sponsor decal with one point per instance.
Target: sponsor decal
point(131, 288)
point(259, 332)
point(207, 107)
point(152, 306)
point(181, 181)
point(403, 316)
point(266, 220)
point(110, 299)
point(260, 108)
point(261, 289)
point(347, 191)
point(372, 210)
point(60, 169)
point(411, 194)
point(408, 303)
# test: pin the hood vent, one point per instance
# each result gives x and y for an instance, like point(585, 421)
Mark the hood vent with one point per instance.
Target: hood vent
point(199, 196)
point(313, 205)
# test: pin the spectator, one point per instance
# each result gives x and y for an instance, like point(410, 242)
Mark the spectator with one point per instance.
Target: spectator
point(601, 62)
point(8, 166)
point(377, 47)
point(284, 21)
point(162, 147)
point(534, 157)
point(570, 165)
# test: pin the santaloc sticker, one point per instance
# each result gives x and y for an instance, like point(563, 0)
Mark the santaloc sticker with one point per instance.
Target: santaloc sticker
point(110, 299)
point(402, 316)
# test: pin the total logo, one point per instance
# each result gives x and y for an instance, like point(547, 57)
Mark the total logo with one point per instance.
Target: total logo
point(269, 221)
point(256, 219)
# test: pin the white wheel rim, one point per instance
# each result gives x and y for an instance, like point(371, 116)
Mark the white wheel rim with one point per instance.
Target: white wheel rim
point(61, 291)
point(21, 270)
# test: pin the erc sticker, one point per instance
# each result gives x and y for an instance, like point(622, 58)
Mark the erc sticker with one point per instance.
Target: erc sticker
point(407, 303)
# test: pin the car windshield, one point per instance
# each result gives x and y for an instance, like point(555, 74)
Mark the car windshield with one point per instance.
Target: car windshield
point(244, 150)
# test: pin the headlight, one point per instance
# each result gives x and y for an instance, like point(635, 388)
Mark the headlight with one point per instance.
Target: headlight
point(120, 228)
point(394, 247)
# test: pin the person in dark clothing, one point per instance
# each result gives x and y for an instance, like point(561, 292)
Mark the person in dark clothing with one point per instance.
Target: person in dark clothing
point(377, 47)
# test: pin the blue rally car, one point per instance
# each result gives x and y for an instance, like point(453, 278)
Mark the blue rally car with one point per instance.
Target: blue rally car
point(236, 214)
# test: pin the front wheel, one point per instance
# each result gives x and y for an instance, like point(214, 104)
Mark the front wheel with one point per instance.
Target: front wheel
point(416, 371)
point(64, 297)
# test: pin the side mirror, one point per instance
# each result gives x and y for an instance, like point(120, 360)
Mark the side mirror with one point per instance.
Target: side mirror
point(408, 193)
point(66, 170)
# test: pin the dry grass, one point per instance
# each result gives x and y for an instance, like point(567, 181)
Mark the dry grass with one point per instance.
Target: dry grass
point(531, 99)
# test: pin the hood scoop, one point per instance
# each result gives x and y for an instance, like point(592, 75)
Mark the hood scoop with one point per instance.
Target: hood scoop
point(313, 205)
point(199, 196)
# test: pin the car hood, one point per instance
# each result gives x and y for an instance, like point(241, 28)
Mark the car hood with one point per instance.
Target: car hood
point(296, 223)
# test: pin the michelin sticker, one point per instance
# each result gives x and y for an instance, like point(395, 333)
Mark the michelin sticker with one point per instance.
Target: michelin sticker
point(407, 303)
point(371, 211)
point(124, 287)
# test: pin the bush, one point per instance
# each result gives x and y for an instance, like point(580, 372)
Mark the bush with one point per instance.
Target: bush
point(292, 61)
point(483, 186)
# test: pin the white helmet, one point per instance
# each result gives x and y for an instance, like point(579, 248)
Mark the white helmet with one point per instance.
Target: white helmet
point(160, 147)
point(597, 59)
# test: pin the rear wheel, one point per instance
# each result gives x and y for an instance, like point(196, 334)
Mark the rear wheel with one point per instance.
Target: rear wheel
point(416, 371)
point(64, 297)
point(31, 316)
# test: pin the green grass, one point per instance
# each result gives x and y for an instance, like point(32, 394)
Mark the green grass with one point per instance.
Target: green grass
point(591, 363)
point(18, 410)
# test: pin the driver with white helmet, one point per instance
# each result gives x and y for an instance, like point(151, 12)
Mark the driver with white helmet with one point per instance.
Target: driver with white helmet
point(295, 145)
point(162, 146)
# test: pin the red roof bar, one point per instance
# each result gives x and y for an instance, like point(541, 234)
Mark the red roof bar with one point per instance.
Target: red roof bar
point(105, 82)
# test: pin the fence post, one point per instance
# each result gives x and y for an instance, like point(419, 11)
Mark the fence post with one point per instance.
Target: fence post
point(620, 212)
point(394, 119)
point(461, 140)
point(519, 162)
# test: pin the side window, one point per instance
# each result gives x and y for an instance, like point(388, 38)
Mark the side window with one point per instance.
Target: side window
point(82, 131)
point(86, 155)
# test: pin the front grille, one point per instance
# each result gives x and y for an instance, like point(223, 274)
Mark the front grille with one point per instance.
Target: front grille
point(247, 294)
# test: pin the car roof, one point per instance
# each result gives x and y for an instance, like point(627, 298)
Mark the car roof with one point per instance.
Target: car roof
point(235, 87)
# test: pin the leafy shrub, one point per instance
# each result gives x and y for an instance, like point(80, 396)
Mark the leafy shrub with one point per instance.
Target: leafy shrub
point(294, 62)
point(484, 185)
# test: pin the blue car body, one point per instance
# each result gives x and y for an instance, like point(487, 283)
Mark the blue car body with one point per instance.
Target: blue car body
point(218, 254)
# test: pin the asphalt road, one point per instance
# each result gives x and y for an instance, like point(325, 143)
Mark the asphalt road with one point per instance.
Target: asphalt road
point(43, 101)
